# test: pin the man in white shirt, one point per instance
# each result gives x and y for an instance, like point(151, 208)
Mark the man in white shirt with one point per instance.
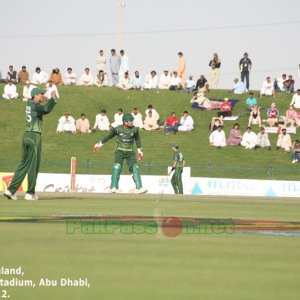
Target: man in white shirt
point(186, 122)
point(138, 119)
point(151, 81)
point(164, 80)
point(190, 85)
point(175, 82)
point(278, 83)
point(284, 141)
point(51, 87)
point(296, 99)
point(28, 87)
point(267, 88)
point(137, 81)
point(249, 139)
point(66, 123)
point(70, 77)
point(124, 67)
point(86, 78)
point(124, 83)
point(154, 112)
point(150, 122)
point(10, 91)
point(102, 122)
point(238, 87)
point(39, 76)
point(217, 138)
point(118, 118)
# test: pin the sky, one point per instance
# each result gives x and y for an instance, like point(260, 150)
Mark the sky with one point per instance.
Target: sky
point(70, 33)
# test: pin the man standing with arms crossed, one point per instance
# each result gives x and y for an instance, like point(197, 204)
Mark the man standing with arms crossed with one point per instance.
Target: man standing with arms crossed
point(178, 165)
point(31, 144)
point(125, 134)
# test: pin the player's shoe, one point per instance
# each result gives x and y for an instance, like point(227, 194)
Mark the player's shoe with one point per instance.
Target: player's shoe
point(113, 190)
point(9, 195)
point(141, 191)
point(31, 197)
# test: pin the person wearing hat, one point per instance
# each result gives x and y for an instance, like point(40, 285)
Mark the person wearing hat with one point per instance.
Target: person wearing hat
point(225, 109)
point(28, 87)
point(125, 135)
point(178, 165)
point(31, 144)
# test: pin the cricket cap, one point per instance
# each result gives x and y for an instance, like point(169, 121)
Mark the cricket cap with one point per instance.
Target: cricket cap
point(175, 146)
point(127, 117)
point(37, 91)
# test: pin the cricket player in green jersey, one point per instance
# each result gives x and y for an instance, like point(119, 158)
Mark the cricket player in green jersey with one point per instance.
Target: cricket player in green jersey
point(125, 135)
point(31, 144)
point(178, 165)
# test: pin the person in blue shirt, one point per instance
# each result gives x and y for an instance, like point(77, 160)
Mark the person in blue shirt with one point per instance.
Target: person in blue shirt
point(250, 101)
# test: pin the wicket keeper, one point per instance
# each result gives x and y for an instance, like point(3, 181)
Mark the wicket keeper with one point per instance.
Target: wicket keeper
point(125, 134)
point(31, 144)
point(178, 165)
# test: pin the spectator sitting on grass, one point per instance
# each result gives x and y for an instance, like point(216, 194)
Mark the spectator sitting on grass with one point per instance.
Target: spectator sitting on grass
point(254, 117)
point(186, 122)
point(56, 77)
point(267, 88)
point(66, 124)
point(291, 116)
point(150, 122)
point(28, 87)
point(138, 119)
point(249, 139)
point(102, 121)
point(225, 109)
point(86, 78)
point(279, 83)
point(296, 100)
point(124, 82)
point(171, 124)
point(238, 87)
point(296, 152)
point(289, 84)
point(101, 79)
point(217, 138)
point(215, 123)
point(235, 136)
point(83, 124)
point(118, 118)
point(10, 91)
point(263, 139)
point(272, 115)
point(250, 102)
point(51, 87)
point(284, 141)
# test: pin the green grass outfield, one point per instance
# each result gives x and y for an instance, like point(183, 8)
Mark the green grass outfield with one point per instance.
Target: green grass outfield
point(150, 266)
point(233, 162)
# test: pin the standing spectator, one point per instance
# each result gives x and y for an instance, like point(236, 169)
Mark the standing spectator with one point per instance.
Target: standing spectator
point(124, 66)
point(181, 68)
point(101, 79)
point(118, 118)
point(151, 81)
point(66, 124)
point(86, 78)
point(263, 140)
point(245, 68)
point(164, 80)
point(83, 124)
point(70, 77)
point(201, 82)
point(238, 87)
point(101, 61)
point(272, 115)
point(12, 75)
point(267, 88)
point(296, 100)
point(28, 87)
point(51, 87)
point(284, 141)
point(136, 81)
point(39, 76)
point(235, 135)
point(291, 116)
point(171, 123)
point(23, 75)
point(215, 64)
point(189, 85)
point(289, 84)
point(115, 63)
point(31, 145)
point(10, 91)
point(279, 83)
point(217, 138)
point(186, 122)
point(102, 122)
point(250, 102)
point(56, 77)
point(249, 139)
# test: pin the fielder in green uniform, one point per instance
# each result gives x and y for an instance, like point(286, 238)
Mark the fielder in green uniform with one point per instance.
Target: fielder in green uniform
point(125, 134)
point(31, 144)
point(178, 165)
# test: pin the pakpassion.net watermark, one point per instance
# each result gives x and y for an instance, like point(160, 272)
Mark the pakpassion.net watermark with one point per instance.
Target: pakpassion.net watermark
point(169, 226)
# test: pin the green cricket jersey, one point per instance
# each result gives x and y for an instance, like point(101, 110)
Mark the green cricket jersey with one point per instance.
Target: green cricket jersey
point(178, 157)
point(125, 138)
point(34, 114)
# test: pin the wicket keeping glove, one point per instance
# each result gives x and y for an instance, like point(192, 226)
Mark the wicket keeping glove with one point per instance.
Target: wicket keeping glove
point(97, 147)
point(140, 154)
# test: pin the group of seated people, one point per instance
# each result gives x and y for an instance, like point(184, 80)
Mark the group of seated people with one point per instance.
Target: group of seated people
point(151, 122)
